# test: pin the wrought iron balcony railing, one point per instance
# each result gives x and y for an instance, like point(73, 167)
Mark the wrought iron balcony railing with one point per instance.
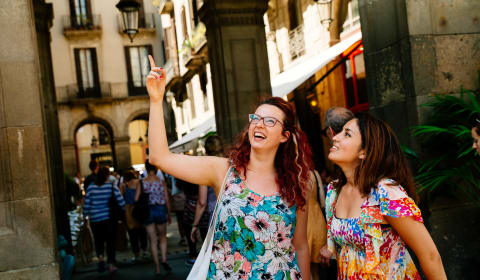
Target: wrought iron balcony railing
point(296, 42)
point(82, 22)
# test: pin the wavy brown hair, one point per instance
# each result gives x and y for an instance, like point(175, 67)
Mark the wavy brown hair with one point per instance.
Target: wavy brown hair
point(383, 158)
point(293, 159)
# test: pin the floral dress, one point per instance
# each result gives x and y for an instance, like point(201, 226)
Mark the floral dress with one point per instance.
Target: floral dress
point(367, 247)
point(253, 235)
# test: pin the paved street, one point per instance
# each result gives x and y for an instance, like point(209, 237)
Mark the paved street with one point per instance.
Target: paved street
point(143, 269)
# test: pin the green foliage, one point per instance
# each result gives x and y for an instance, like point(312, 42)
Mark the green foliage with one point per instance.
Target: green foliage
point(449, 164)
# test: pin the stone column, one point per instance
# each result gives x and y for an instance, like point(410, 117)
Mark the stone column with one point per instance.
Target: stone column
point(122, 152)
point(238, 58)
point(27, 221)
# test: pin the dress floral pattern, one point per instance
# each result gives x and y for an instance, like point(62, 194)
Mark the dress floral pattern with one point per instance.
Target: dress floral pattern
point(366, 247)
point(253, 235)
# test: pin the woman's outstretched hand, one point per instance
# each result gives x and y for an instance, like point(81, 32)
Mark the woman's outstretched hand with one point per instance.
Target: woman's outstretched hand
point(156, 82)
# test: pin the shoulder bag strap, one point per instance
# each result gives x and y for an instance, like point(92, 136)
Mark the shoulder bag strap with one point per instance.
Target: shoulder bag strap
point(219, 197)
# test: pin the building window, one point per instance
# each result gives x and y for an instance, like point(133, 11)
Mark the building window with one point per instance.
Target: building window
point(87, 72)
point(80, 11)
point(184, 24)
point(352, 20)
point(182, 113)
point(295, 13)
point(205, 103)
point(137, 68)
point(191, 97)
point(356, 96)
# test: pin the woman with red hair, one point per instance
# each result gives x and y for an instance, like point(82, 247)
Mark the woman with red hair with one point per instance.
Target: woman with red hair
point(260, 229)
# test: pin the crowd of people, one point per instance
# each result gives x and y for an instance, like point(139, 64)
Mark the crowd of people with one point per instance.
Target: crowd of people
point(103, 192)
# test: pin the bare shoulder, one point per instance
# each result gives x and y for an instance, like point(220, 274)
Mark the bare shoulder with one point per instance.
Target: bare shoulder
point(222, 166)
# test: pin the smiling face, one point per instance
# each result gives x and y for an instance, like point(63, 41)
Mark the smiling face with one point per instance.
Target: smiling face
point(476, 140)
point(347, 145)
point(266, 137)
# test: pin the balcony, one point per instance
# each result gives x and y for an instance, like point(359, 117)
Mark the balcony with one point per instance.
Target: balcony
point(195, 52)
point(172, 73)
point(296, 42)
point(146, 25)
point(82, 26)
point(165, 6)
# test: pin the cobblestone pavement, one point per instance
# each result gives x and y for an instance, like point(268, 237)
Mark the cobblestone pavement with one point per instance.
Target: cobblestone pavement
point(144, 268)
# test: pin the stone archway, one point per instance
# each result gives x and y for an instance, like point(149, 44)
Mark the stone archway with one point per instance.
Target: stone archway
point(95, 142)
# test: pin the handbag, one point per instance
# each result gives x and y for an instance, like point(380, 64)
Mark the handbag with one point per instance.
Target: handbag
point(116, 212)
point(202, 263)
point(141, 210)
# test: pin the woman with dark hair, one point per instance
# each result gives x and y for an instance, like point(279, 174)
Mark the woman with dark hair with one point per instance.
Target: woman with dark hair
point(136, 231)
point(159, 206)
point(371, 213)
point(476, 136)
point(96, 207)
point(260, 228)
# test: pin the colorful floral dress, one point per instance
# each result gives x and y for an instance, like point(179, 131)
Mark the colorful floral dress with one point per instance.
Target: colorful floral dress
point(367, 247)
point(253, 235)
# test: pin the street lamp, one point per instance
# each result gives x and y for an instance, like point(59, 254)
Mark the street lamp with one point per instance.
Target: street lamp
point(129, 9)
point(325, 8)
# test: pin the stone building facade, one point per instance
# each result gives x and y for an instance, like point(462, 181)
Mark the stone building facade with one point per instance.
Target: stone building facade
point(189, 83)
point(100, 80)
point(298, 33)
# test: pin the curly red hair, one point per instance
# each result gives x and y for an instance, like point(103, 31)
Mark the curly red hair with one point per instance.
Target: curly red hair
point(293, 160)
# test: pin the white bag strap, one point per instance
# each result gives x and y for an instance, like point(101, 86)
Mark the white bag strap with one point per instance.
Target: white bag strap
point(200, 268)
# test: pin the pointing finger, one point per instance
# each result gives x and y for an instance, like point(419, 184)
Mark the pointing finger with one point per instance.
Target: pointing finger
point(152, 62)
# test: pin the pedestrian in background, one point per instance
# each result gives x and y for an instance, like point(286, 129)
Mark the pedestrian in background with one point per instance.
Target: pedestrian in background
point(316, 226)
point(136, 231)
point(90, 179)
point(156, 224)
point(260, 230)
point(178, 205)
point(476, 136)
point(192, 194)
point(371, 213)
point(96, 207)
point(206, 195)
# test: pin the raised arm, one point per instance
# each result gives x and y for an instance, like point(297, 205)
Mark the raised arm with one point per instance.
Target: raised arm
point(197, 170)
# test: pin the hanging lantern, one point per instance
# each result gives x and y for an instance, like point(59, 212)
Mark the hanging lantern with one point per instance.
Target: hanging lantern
point(129, 9)
point(325, 8)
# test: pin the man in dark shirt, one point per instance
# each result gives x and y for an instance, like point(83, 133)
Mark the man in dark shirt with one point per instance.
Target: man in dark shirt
point(94, 166)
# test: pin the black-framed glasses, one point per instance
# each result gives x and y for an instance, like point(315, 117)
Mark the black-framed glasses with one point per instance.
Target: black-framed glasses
point(267, 121)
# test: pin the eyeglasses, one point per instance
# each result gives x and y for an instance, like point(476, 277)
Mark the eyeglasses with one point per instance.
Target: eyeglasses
point(267, 121)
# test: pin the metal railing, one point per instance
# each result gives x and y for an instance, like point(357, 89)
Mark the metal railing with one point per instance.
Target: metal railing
point(296, 42)
point(171, 70)
point(81, 22)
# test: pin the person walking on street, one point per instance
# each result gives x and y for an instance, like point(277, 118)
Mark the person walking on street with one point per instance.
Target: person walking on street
point(159, 206)
point(371, 213)
point(193, 195)
point(260, 230)
point(136, 231)
point(96, 207)
point(90, 179)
